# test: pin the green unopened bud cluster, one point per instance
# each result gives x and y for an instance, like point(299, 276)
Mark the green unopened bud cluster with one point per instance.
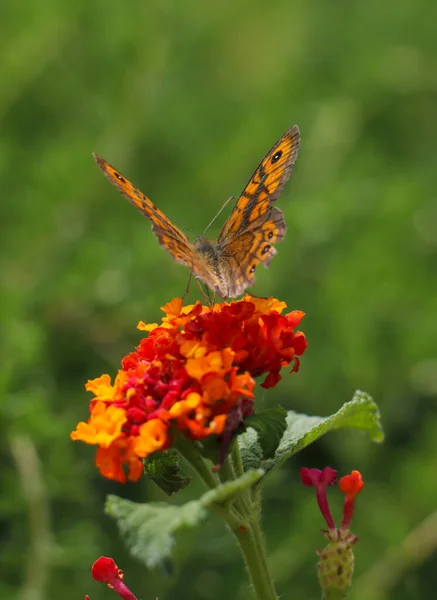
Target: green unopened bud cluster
point(336, 564)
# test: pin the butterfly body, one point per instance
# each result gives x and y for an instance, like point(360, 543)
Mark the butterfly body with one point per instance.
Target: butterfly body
point(208, 250)
point(216, 263)
point(247, 238)
point(207, 247)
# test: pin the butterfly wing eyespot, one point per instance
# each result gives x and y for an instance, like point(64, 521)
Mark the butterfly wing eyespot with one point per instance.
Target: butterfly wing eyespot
point(264, 187)
point(277, 155)
point(244, 253)
point(248, 236)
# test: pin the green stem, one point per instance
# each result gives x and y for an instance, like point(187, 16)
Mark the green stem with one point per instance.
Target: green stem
point(192, 455)
point(236, 459)
point(235, 506)
point(227, 472)
point(246, 498)
point(255, 522)
point(249, 537)
point(254, 558)
point(241, 516)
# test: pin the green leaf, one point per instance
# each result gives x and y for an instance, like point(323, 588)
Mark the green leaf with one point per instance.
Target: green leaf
point(149, 529)
point(360, 413)
point(270, 425)
point(163, 469)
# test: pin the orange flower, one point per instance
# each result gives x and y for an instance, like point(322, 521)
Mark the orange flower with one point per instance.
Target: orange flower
point(152, 436)
point(103, 427)
point(350, 485)
point(120, 453)
point(194, 371)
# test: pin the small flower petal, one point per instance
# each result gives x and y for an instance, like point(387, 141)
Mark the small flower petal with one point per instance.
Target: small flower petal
point(103, 427)
point(147, 327)
point(318, 478)
point(152, 437)
point(351, 484)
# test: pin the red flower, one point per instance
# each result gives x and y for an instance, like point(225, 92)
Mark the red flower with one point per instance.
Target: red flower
point(320, 480)
point(194, 371)
point(350, 485)
point(336, 564)
point(105, 569)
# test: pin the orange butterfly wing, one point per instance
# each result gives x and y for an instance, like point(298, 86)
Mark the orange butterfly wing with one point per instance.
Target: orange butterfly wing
point(169, 236)
point(264, 187)
point(243, 254)
point(248, 235)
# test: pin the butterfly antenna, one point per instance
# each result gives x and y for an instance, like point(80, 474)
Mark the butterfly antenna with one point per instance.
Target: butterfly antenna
point(221, 210)
point(183, 226)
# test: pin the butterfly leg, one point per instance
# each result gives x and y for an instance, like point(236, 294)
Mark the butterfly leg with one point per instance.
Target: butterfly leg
point(214, 297)
point(187, 289)
point(205, 296)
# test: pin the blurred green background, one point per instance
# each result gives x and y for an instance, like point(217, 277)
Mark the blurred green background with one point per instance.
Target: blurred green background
point(185, 98)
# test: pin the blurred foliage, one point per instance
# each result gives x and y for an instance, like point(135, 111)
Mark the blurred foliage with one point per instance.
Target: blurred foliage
point(185, 98)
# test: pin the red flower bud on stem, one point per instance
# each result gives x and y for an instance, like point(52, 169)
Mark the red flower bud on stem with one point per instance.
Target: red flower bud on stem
point(350, 485)
point(105, 570)
point(320, 480)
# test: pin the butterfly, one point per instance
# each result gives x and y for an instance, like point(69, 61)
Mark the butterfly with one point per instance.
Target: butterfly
point(227, 265)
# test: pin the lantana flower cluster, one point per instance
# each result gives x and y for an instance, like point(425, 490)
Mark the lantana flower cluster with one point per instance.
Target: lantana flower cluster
point(194, 373)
